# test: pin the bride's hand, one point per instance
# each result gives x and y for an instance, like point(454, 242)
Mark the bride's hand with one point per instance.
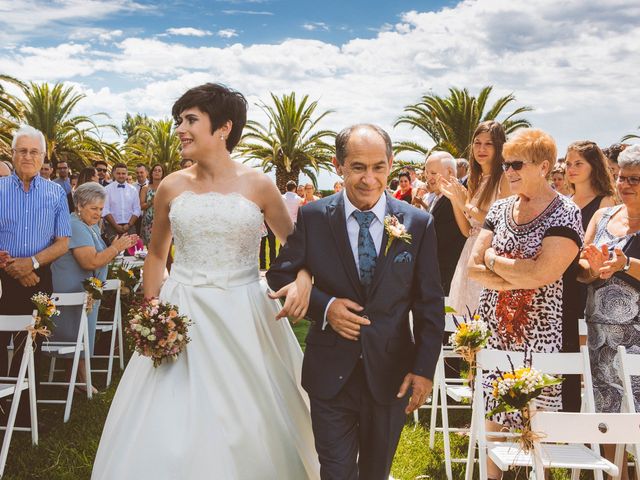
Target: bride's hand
point(296, 295)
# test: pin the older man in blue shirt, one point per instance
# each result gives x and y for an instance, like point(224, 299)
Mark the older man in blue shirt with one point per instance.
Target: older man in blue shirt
point(34, 231)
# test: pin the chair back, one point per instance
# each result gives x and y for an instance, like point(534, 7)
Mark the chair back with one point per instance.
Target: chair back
point(14, 323)
point(599, 428)
point(629, 365)
point(69, 299)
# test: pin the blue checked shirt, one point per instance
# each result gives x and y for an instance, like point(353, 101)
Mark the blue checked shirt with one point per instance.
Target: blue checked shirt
point(30, 221)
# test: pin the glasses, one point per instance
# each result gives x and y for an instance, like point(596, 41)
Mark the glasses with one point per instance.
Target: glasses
point(101, 169)
point(23, 152)
point(516, 165)
point(632, 181)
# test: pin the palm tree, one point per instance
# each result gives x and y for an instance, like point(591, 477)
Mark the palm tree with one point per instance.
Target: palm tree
point(631, 136)
point(154, 141)
point(289, 143)
point(450, 121)
point(75, 139)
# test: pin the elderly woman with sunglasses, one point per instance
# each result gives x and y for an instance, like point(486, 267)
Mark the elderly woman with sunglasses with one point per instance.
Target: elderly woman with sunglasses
point(525, 255)
point(610, 265)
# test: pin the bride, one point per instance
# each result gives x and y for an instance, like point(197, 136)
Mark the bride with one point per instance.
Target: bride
point(230, 406)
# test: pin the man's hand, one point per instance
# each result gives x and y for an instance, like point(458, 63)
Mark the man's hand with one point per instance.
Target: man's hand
point(19, 267)
point(420, 390)
point(29, 280)
point(342, 319)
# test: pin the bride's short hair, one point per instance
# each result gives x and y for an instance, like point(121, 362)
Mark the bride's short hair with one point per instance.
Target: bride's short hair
point(220, 103)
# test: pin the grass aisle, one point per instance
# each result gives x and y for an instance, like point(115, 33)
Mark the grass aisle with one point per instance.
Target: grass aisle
point(66, 451)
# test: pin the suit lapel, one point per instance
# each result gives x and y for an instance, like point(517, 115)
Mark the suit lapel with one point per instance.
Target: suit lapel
point(338, 224)
point(383, 260)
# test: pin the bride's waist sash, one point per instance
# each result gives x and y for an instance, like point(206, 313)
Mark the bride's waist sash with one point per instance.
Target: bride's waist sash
point(215, 279)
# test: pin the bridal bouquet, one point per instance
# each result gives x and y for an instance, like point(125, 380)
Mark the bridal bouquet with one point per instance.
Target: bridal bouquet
point(46, 309)
point(95, 288)
point(514, 390)
point(157, 330)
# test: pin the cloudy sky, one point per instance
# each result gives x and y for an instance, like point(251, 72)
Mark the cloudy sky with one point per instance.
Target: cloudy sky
point(576, 62)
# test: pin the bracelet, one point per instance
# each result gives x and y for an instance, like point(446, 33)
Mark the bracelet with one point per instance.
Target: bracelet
point(627, 265)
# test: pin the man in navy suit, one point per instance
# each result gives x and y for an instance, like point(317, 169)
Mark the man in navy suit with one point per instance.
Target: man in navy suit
point(364, 368)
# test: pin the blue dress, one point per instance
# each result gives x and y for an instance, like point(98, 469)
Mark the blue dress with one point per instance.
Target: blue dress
point(68, 276)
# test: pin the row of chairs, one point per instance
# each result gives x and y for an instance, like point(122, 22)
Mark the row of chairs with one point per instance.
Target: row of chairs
point(456, 389)
point(26, 373)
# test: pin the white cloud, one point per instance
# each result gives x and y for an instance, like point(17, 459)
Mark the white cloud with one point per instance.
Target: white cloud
point(247, 12)
point(575, 62)
point(311, 26)
point(189, 32)
point(101, 34)
point(227, 33)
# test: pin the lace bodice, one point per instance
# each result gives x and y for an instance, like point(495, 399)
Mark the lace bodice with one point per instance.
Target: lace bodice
point(214, 231)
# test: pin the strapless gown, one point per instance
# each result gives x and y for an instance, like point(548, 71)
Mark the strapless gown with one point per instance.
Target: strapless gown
point(231, 405)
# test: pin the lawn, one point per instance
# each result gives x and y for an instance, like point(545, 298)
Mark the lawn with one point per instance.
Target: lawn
point(66, 451)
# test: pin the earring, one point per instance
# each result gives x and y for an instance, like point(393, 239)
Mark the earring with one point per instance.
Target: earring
point(222, 138)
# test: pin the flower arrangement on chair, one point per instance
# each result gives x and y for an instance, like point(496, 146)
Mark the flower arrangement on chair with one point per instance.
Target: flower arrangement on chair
point(46, 309)
point(470, 337)
point(95, 288)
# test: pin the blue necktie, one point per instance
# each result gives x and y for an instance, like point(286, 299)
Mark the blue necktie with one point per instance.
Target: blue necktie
point(121, 185)
point(366, 248)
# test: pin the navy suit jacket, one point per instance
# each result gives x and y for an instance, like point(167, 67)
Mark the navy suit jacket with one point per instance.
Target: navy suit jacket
point(405, 279)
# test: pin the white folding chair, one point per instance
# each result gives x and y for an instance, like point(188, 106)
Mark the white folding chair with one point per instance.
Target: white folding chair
point(628, 366)
point(573, 430)
point(115, 327)
point(24, 381)
point(507, 454)
point(61, 348)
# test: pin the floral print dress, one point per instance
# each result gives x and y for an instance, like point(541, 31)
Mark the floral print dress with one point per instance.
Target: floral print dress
point(530, 320)
point(613, 319)
point(147, 217)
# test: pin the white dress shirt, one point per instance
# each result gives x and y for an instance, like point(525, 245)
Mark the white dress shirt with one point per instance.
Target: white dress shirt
point(292, 202)
point(121, 203)
point(376, 229)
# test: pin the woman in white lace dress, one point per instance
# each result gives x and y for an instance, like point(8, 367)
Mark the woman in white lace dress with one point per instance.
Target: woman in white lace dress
point(470, 205)
point(230, 406)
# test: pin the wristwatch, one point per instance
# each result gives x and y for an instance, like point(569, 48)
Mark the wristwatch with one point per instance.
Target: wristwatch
point(36, 264)
point(627, 265)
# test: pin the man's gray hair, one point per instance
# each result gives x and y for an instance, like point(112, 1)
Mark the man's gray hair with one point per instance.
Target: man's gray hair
point(89, 193)
point(446, 160)
point(342, 139)
point(630, 156)
point(29, 131)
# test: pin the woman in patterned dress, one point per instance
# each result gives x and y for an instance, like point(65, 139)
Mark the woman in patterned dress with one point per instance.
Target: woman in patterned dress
point(613, 301)
point(470, 205)
point(525, 255)
point(147, 193)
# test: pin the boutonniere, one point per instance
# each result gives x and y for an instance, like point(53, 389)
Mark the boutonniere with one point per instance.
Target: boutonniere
point(394, 230)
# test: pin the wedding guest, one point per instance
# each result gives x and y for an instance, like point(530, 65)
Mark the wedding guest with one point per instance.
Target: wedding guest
point(526, 258)
point(300, 191)
point(62, 170)
point(147, 194)
point(558, 181)
point(413, 177)
point(486, 183)
point(462, 168)
point(291, 200)
point(185, 163)
point(103, 175)
point(450, 239)
point(337, 187)
point(142, 176)
point(88, 256)
point(612, 153)
point(615, 280)
point(74, 181)
point(34, 231)
point(393, 186)
point(122, 206)
point(404, 192)
point(268, 238)
point(87, 174)
point(5, 171)
point(309, 194)
point(46, 170)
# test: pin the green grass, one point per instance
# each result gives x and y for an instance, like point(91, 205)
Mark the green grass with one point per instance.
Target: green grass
point(66, 451)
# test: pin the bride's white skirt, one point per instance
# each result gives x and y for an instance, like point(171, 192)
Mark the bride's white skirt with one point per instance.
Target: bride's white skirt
point(230, 407)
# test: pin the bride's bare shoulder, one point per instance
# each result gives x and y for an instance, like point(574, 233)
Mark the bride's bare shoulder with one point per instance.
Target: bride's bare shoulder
point(174, 184)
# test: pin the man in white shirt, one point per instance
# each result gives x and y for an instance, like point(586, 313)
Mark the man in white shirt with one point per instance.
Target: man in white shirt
point(122, 206)
point(142, 174)
point(291, 200)
point(63, 179)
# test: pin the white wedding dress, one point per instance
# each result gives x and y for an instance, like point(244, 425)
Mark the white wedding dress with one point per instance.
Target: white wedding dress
point(230, 407)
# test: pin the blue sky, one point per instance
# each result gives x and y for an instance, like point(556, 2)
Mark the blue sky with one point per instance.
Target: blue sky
point(575, 62)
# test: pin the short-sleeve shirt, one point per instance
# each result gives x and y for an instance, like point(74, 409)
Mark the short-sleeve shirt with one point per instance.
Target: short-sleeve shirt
point(30, 221)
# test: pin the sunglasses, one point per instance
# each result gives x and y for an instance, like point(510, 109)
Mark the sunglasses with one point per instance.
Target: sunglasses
point(516, 165)
point(101, 169)
point(632, 181)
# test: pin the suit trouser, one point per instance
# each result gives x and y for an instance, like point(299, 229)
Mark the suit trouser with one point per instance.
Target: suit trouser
point(356, 437)
point(16, 300)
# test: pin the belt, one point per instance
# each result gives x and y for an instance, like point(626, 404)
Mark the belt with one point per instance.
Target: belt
point(215, 279)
